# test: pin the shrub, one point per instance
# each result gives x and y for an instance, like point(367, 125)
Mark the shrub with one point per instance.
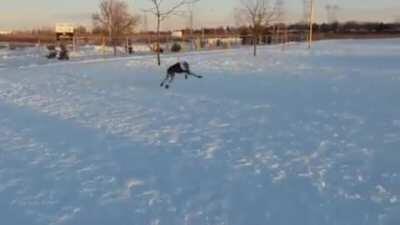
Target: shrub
point(176, 47)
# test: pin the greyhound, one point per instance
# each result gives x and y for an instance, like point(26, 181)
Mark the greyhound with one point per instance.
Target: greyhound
point(180, 67)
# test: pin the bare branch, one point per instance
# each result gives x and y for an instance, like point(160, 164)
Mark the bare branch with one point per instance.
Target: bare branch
point(257, 14)
point(115, 19)
point(161, 13)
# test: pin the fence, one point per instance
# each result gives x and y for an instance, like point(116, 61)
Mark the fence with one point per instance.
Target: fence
point(146, 43)
point(140, 44)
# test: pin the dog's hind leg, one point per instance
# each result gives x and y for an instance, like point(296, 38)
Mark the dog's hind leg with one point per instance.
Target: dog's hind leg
point(170, 81)
point(165, 80)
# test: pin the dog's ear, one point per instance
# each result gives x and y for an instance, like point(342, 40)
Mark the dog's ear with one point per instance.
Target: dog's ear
point(186, 65)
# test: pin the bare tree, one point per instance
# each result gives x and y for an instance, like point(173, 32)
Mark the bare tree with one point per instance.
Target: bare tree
point(282, 30)
point(115, 20)
point(161, 13)
point(80, 30)
point(257, 14)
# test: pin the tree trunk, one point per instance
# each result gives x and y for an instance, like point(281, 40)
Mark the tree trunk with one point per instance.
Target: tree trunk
point(158, 41)
point(111, 40)
point(311, 24)
point(255, 40)
point(114, 46)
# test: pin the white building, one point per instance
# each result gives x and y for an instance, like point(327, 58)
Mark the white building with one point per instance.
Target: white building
point(177, 34)
point(64, 28)
point(224, 40)
point(65, 31)
point(5, 32)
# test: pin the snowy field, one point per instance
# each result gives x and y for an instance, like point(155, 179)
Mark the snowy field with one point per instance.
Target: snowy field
point(288, 138)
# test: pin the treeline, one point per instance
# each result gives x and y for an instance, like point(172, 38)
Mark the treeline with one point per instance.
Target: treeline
point(350, 27)
point(347, 28)
point(299, 28)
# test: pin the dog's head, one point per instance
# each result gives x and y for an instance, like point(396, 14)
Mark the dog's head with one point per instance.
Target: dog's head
point(185, 65)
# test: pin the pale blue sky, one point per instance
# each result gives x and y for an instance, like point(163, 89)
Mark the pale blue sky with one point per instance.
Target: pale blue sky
point(26, 14)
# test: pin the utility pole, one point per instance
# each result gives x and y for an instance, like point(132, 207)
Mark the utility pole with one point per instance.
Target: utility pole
point(311, 22)
point(145, 28)
point(191, 24)
point(280, 7)
point(110, 28)
point(145, 23)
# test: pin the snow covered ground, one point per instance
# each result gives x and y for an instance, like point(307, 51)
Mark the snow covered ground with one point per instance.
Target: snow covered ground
point(34, 56)
point(295, 137)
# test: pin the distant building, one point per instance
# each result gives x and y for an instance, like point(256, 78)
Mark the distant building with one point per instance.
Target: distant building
point(177, 34)
point(5, 32)
point(224, 41)
point(65, 31)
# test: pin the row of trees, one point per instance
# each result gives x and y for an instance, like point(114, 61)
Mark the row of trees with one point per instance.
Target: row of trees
point(115, 20)
point(257, 15)
point(357, 27)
